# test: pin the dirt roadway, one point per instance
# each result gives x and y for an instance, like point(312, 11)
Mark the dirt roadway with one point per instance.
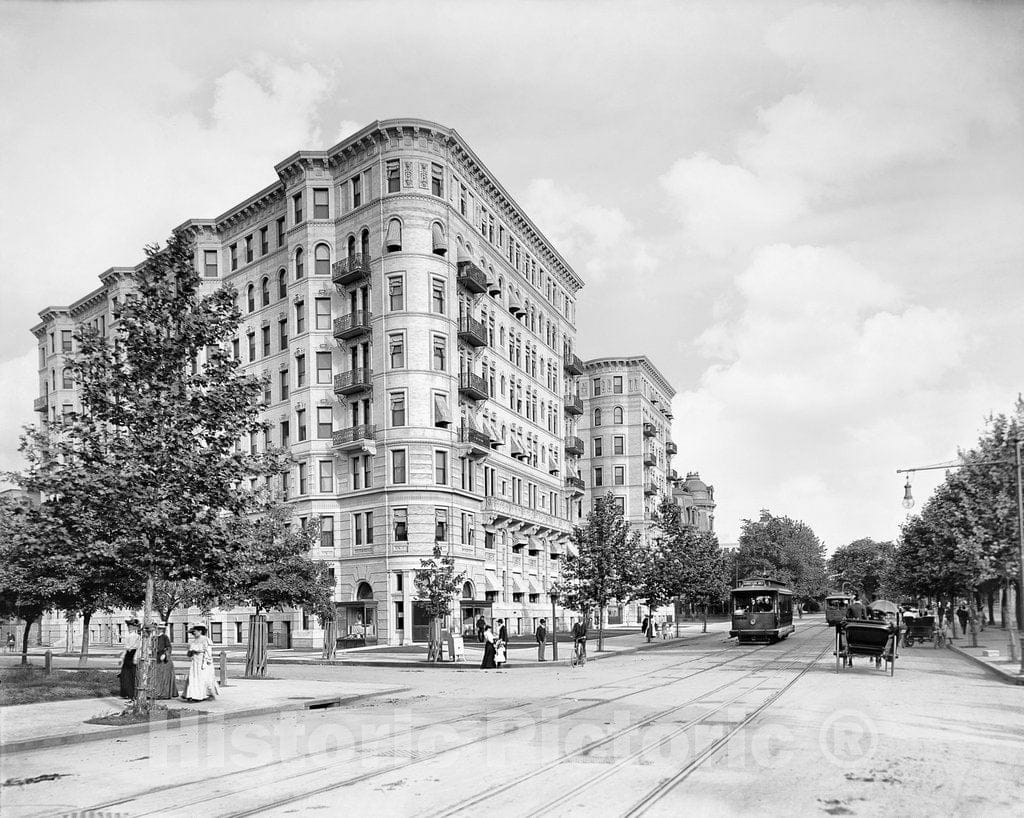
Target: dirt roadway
point(704, 726)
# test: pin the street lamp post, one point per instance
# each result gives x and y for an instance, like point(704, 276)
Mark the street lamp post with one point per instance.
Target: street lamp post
point(908, 502)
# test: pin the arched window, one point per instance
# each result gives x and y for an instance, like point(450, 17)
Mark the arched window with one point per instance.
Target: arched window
point(597, 417)
point(282, 283)
point(617, 414)
point(393, 238)
point(438, 242)
point(364, 245)
point(264, 291)
point(364, 591)
point(467, 590)
point(351, 247)
point(250, 297)
point(322, 260)
point(67, 382)
point(300, 269)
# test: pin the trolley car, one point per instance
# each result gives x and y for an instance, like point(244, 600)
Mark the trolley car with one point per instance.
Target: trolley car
point(762, 610)
point(836, 606)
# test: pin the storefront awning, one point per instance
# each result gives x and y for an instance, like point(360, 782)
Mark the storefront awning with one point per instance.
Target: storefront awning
point(534, 588)
point(517, 586)
point(492, 433)
point(552, 465)
point(491, 583)
point(461, 255)
point(517, 450)
point(442, 416)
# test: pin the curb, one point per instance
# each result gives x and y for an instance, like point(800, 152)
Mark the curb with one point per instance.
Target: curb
point(68, 739)
point(1004, 676)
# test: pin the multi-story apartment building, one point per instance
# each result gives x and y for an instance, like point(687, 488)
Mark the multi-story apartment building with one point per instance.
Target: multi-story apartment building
point(416, 334)
point(696, 501)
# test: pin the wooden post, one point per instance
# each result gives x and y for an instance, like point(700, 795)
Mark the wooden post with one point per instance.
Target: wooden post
point(223, 668)
point(48, 662)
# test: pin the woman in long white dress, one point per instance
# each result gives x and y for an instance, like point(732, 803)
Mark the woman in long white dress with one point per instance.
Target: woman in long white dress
point(202, 681)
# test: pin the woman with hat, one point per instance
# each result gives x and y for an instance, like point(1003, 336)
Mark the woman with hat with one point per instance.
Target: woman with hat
point(132, 643)
point(163, 682)
point(202, 683)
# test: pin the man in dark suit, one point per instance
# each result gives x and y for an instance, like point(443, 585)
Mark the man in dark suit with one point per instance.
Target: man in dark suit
point(502, 631)
point(481, 623)
point(856, 610)
point(541, 636)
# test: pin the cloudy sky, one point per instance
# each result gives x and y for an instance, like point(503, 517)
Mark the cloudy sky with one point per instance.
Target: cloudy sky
point(809, 216)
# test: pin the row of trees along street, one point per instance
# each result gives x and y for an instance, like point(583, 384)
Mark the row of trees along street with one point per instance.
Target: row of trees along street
point(147, 498)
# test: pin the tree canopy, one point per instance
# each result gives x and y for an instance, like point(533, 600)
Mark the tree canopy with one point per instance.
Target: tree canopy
point(864, 565)
point(784, 548)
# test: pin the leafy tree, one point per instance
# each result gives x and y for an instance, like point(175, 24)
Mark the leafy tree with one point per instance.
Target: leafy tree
point(164, 408)
point(603, 565)
point(787, 549)
point(863, 564)
point(169, 596)
point(437, 583)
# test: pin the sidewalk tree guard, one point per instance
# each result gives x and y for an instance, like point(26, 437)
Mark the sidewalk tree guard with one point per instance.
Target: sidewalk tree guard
point(437, 584)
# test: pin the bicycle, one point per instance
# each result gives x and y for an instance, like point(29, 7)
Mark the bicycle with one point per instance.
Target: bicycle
point(579, 653)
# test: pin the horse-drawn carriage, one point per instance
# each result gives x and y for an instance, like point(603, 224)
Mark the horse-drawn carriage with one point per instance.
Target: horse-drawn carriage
point(919, 629)
point(875, 638)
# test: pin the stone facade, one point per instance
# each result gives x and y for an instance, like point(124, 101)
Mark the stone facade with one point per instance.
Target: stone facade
point(417, 334)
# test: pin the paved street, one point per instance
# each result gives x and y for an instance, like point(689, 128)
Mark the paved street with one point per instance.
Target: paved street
point(700, 724)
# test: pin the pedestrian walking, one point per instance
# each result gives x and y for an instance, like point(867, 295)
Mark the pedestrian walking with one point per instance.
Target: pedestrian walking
point(202, 682)
point(488, 661)
point(481, 624)
point(129, 659)
point(644, 625)
point(962, 617)
point(541, 635)
point(11, 642)
point(164, 685)
point(502, 631)
point(500, 653)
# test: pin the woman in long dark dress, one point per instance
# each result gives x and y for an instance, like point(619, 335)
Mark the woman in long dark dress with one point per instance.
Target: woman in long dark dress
point(163, 684)
point(126, 676)
point(489, 653)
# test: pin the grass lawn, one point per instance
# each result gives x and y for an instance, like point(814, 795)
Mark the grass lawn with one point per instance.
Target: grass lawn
point(27, 685)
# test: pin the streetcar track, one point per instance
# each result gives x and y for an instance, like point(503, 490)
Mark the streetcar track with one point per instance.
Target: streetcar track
point(416, 729)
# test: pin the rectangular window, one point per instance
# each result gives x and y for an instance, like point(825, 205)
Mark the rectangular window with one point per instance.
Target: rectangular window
point(394, 176)
point(248, 249)
point(265, 340)
point(362, 472)
point(362, 525)
point(217, 633)
point(620, 475)
point(297, 207)
point(440, 525)
point(323, 367)
point(324, 422)
point(597, 387)
point(233, 255)
point(321, 204)
point(597, 447)
point(285, 480)
point(467, 529)
point(396, 351)
point(440, 353)
point(264, 240)
point(285, 434)
point(398, 409)
point(437, 180)
point(617, 385)
point(300, 317)
point(210, 263)
point(280, 232)
point(303, 479)
point(326, 476)
point(462, 199)
point(300, 371)
point(441, 468)
point(323, 313)
point(251, 340)
point(357, 191)
point(282, 378)
point(65, 340)
point(396, 293)
point(300, 417)
point(618, 446)
point(437, 296)
point(401, 518)
point(282, 332)
point(398, 472)
point(327, 531)
point(620, 504)
point(598, 477)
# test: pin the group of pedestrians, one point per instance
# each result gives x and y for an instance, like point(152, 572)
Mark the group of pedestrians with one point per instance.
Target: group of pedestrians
point(201, 683)
point(496, 646)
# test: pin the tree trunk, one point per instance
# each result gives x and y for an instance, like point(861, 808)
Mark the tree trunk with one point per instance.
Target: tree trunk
point(704, 629)
point(143, 703)
point(83, 657)
point(24, 639)
point(600, 629)
point(256, 651)
point(330, 638)
point(650, 622)
point(435, 645)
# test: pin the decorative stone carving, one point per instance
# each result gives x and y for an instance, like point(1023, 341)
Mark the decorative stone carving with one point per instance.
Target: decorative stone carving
point(424, 175)
point(407, 174)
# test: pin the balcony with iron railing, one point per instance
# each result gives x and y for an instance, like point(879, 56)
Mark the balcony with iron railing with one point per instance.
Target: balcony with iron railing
point(649, 430)
point(472, 332)
point(573, 404)
point(41, 404)
point(354, 436)
point(573, 364)
point(650, 488)
point(355, 380)
point(575, 483)
point(472, 386)
point(353, 324)
point(574, 445)
point(471, 277)
point(506, 510)
point(650, 458)
point(351, 269)
point(671, 447)
point(478, 442)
